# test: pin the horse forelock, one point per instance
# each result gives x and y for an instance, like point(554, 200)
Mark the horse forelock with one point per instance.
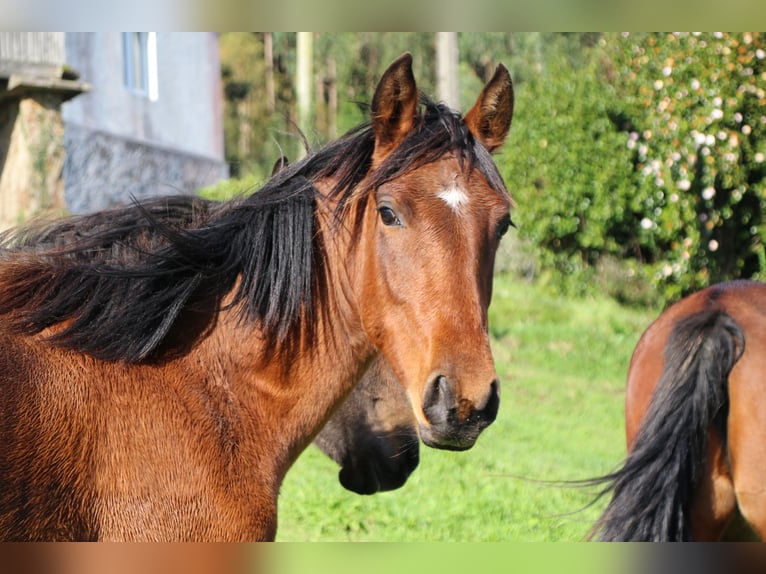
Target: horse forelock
point(440, 132)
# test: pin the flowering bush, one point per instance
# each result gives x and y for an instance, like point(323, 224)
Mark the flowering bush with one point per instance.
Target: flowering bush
point(651, 153)
point(698, 109)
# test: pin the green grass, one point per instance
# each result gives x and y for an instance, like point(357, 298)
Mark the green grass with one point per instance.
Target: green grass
point(562, 364)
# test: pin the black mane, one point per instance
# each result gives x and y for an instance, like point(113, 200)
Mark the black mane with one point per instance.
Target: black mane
point(123, 279)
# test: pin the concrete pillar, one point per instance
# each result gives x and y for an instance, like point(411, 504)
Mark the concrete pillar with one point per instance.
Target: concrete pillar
point(32, 147)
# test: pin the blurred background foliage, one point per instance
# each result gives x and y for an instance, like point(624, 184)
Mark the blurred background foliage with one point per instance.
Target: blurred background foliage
point(637, 160)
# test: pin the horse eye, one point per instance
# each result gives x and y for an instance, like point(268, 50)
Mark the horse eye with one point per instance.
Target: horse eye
point(502, 226)
point(388, 216)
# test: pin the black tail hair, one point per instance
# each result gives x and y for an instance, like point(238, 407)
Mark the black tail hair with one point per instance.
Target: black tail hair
point(652, 492)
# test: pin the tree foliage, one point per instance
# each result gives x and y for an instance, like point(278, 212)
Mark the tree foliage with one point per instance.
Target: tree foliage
point(647, 150)
point(698, 136)
point(346, 68)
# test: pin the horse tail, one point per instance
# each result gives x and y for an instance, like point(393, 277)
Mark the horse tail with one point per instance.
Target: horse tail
point(652, 492)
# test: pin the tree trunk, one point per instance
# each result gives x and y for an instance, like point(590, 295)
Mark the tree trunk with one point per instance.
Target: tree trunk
point(332, 98)
point(304, 79)
point(447, 68)
point(268, 57)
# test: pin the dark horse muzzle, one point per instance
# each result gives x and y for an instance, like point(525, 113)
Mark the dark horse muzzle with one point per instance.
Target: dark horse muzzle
point(382, 468)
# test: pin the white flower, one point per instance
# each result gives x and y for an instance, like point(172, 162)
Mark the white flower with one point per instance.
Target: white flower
point(746, 129)
point(716, 114)
point(666, 71)
point(709, 139)
point(647, 223)
point(713, 245)
point(708, 193)
point(759, 157)
point(695, 84)
point(738, 117)
point(684, 184)
point(760, 54)
point(658, 84)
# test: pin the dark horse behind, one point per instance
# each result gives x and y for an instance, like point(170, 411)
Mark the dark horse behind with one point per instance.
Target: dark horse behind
point(162, 394)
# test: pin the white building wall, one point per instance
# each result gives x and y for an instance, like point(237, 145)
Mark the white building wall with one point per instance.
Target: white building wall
point(187, 116)
point(121, 144)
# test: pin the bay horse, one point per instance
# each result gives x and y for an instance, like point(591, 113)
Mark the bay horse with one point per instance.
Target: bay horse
point(372, 435)
point(695, 424)
point(163, 395)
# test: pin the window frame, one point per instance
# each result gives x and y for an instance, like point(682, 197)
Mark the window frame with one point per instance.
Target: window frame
point(140, 63)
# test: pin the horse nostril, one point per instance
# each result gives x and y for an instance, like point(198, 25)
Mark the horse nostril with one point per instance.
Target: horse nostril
point(438, 400)
point(489, 411)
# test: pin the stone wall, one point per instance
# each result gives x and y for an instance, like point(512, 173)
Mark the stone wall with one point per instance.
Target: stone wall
point(103, 170)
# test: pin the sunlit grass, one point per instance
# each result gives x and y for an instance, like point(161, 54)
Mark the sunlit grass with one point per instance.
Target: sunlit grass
point(563, 365)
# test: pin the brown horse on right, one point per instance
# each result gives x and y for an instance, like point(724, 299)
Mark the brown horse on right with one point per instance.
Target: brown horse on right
point(696, 424)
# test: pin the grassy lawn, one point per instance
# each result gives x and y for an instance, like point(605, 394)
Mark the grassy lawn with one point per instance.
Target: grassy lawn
point(562, 365)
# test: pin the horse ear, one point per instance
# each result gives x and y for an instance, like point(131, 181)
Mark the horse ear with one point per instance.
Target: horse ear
point(394, 106)
point(490, 118)
point(279, 165)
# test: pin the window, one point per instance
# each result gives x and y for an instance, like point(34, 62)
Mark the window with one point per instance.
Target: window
point(140, 59)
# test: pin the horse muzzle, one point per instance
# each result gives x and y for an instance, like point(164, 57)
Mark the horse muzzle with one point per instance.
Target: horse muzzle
point(455, 424)
point(385, 466)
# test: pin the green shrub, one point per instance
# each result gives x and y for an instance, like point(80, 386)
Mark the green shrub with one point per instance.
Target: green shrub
point(648, 153)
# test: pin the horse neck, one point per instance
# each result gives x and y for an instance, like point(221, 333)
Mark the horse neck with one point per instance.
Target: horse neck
point(287, 392)
point(341, 245)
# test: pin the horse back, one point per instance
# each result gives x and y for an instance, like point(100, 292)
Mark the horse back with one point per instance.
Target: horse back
point(734, 457)
point(743, 301)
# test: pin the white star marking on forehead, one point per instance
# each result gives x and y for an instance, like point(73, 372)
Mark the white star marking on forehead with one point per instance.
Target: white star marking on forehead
point(453, 196)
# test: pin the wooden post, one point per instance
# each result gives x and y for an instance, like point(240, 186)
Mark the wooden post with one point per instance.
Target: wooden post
point(447, 69)
point(304, 81)
point(268, 57)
